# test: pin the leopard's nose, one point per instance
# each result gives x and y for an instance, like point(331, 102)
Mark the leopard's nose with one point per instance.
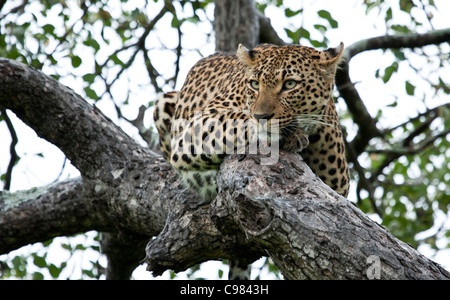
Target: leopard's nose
point(263, 116)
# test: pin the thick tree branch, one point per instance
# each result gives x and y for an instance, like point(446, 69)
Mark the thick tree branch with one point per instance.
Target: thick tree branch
point(133, 206)
point(120, 179)
point(43, 213)
point(125, 251)
point(282, 210)
point(88, 138)
point(287, 213)
point(412, 40)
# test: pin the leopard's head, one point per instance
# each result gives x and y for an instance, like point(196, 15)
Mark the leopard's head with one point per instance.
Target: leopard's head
point(289, 84)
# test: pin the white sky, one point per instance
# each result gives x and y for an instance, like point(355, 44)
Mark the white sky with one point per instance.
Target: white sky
point(354, 25)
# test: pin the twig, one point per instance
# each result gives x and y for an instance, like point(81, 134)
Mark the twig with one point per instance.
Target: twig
point(12, 150)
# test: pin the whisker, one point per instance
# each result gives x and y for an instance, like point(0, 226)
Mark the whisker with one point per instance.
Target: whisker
point(312, 122)
point(304, 122)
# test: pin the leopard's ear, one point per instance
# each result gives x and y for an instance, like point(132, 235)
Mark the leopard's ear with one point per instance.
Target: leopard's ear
point(330, 59)
point(245, 56)
point(331, 55)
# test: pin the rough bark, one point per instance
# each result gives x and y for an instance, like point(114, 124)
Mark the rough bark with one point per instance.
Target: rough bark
point(285, 212)
point(42, 213)
point(235, 22)
point(118, 175)
point(282, 210)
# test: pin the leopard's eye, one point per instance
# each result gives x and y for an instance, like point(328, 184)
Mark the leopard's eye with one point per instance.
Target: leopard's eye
point(289, 84)
point(254, 84)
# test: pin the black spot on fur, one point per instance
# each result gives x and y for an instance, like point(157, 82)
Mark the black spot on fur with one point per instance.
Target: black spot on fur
point(314, 138)
point(186, 158)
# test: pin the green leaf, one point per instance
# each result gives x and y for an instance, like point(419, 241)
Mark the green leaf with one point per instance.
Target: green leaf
point(91, 93)
point(393, 104)
point(76, 61)
point(400, 28)
point(117, 60)
point(321, 28)
point(35, 63)
point(66, 246)
point(47, 243)
point(175, 22)
point(388, 15)
point(80, 247)
point(398, 54)
point(39, 261)
point(371, 4)
point(317, 44)
point(89, 273)
point(38, 276)
point(54, 270)
point(294, 35)
point(389, 71)
point(410, 88)
point(327, 16)
point(92, 43)
point(48, 28)
point(89, 78)
point(292, 13)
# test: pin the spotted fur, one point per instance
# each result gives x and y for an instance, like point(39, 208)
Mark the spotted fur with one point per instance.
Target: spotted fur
point(225, 97)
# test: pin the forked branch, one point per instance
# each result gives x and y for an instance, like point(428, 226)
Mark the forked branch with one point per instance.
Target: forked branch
point(285, 212)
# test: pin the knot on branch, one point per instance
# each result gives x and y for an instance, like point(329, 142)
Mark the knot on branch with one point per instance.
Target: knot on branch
point(230, 226)
point(283, 211)
point(252, 215)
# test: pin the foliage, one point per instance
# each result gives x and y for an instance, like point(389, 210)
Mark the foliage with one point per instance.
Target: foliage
point(408, 166)
point(59, 258)
point(103, 48)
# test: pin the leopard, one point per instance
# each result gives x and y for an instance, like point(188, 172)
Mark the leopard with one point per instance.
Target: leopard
point(227, 98)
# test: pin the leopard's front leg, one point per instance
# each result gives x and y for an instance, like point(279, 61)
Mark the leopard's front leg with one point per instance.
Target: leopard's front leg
point(200, 144)
point(295, 141)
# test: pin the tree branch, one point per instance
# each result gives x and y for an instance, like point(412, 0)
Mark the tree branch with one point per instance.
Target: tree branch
point(43, 213)
point(125, 251)
point(367, 124)
point(284, 211)
point(88, 138)
point(411, 40)
point(12, 149)
point(267, 33)
point(118, 191)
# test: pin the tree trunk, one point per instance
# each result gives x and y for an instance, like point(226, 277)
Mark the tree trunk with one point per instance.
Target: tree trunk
point(235, 22)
